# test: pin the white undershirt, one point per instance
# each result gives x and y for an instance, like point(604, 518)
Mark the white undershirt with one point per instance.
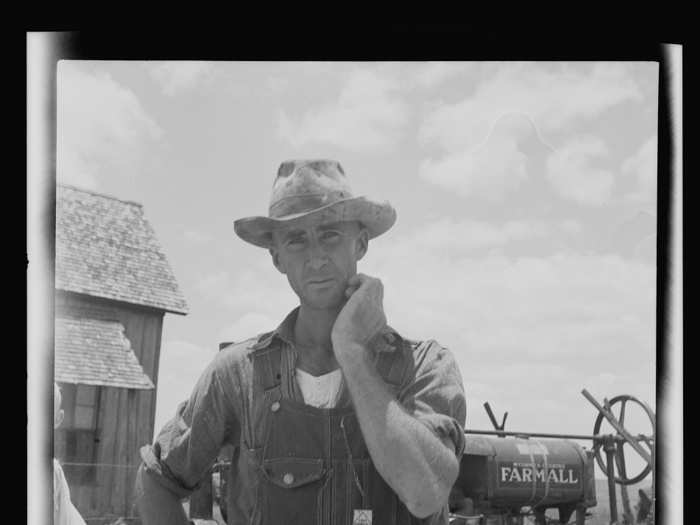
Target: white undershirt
point(320, 391)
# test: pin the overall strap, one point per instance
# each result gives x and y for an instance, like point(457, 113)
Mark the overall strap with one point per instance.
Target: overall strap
point(267, 380)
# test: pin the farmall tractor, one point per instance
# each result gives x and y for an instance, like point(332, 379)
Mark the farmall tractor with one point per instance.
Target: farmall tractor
point(513, 478)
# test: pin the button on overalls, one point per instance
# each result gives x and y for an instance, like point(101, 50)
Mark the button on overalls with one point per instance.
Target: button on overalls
point(314, 467)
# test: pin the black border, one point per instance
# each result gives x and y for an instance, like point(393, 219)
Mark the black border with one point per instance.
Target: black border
point(375, 41)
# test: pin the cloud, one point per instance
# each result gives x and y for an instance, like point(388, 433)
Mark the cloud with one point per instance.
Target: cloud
point(213, 282)
point(642, 167)
point(181, 364)
point(432, 74)
point(633, 236)
point(103, 130)
point(197, 237)
point(368, 115)
point(180, 76)
point(602, 384)
point(482, 144)
point(571, 226)
point(553, 96)
point(496, 166)
point(489, 171)
point(549, 323)
point(572, 173)
point(458, 238)
point(254, 288)
point(247, 326)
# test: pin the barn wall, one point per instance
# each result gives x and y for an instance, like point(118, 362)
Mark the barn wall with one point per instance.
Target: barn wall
point(126, 417)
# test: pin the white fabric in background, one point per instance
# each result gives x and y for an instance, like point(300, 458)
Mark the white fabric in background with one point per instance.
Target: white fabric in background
point(63, 510)
point(320, 391)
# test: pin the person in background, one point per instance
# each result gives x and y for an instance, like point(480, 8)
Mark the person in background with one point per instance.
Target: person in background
point(64, 512)
point(334, 416)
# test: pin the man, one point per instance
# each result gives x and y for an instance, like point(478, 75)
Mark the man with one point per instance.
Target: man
point(335, 417)
point(64, 512)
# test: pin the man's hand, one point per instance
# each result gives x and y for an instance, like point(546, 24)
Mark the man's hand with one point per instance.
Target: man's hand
point(362, 317)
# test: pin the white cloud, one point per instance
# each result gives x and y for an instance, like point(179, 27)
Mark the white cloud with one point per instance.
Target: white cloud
point(181, 364)
point(103, 130)
point(455, 238)
point(197, 237)
point(489, 171)
point(634, 235)
point(179, 76)
point(601, 384)
point(432, 74)
point(478, 139)
point(367, 116)
point(553, 97)
point(642, 166)
point(572, 173)
point(213, 283)
point(254, 288)
point(530, 292)
point(247, 326)
point(571, 226)
point(548, 324)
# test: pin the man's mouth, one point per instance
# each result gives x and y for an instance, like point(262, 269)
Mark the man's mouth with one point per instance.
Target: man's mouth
point(320, 281)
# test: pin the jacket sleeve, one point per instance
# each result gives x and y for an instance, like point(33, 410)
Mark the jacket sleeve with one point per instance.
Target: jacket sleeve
point(188, 444)
point(434, 393)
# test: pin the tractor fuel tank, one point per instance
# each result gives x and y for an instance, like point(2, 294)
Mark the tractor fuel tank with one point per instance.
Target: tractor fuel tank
point(512, 472)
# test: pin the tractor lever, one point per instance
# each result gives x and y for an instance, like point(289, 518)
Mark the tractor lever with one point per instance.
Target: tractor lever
point(492, 417)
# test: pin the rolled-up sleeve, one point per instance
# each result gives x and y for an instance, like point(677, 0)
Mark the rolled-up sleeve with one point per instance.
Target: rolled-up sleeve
point(188, 444)
point(434, 394)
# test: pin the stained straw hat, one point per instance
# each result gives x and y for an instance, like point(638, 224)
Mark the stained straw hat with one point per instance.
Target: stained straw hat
point(312, 192)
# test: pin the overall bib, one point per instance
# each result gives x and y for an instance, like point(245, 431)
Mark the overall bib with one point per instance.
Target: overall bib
point(314, 467)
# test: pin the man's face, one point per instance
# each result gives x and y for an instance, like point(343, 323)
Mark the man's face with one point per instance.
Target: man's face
point(318, 260)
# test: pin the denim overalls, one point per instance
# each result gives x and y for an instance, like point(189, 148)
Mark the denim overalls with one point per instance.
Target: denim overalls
point(313, 465)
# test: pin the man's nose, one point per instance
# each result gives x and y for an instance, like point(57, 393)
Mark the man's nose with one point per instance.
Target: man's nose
point(317, 256)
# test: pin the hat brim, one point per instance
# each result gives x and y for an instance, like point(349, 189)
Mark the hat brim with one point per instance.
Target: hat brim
point(377, 217)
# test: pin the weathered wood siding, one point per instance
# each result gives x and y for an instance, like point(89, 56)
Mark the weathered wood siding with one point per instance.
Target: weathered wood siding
point(125, 417)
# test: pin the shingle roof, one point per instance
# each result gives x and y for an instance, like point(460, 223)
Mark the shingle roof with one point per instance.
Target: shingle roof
point(105, 247)
point(96, 352)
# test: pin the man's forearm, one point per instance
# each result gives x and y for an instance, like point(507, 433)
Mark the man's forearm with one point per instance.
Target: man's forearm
point(412, 459)
point(156, 504)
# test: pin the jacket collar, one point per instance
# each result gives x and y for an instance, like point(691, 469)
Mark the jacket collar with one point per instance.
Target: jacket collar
point(387, 340)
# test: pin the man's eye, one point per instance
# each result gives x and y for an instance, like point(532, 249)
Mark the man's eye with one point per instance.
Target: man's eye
point(295, 243)
point(330, 236)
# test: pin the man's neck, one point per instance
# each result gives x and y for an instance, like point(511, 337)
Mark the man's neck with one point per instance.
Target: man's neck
point(312, 335)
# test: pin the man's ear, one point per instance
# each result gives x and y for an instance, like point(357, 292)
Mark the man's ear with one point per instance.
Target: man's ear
point(362, 243)
point(276, 260)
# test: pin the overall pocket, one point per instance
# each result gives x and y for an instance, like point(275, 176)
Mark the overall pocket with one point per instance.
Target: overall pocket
point(290, 490)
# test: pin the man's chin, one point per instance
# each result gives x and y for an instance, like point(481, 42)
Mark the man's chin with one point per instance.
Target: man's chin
point(330, 302)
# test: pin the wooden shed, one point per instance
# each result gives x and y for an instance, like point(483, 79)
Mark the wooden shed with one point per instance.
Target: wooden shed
point(113, 287)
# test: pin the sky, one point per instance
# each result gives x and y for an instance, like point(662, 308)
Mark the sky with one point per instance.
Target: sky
point(525, 192)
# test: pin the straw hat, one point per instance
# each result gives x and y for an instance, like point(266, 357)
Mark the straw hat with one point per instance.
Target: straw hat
point(312, 192)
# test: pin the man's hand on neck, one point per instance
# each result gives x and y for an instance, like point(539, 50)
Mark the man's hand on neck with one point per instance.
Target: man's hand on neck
point(361, 318)
point(324, 337)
